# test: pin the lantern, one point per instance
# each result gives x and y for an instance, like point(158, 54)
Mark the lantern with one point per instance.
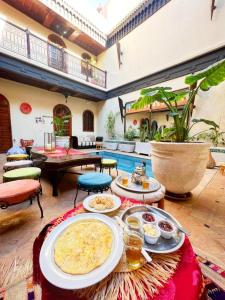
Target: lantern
point(49, 141)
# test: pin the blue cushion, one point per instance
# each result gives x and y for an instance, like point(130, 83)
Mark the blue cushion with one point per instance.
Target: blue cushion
point(92, 180)
point(16, 150)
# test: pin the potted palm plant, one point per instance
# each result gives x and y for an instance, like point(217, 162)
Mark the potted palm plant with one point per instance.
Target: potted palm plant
point(177, 161)
point(59, 129)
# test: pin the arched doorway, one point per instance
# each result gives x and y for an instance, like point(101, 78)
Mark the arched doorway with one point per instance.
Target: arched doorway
point(62, 111)
point(5, 125)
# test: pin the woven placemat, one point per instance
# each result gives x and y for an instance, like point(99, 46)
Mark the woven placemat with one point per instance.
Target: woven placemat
point(135, 284)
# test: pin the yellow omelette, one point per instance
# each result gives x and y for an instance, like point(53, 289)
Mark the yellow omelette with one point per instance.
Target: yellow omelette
point(83, 246)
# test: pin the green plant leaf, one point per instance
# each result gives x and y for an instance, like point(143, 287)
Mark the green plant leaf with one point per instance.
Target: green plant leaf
point(212, 76)
point(208, 122)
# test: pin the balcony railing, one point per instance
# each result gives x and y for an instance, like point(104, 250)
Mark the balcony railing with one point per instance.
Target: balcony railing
point(23, 42)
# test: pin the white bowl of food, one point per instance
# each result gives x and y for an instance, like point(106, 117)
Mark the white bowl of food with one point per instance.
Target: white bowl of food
point(148, 218)
point(151, 233)
point(166, 228)
point(133, 222)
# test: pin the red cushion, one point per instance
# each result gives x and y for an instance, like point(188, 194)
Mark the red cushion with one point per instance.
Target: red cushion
point(18, 191)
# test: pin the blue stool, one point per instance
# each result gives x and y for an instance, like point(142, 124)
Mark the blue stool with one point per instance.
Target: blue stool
point(93, 182)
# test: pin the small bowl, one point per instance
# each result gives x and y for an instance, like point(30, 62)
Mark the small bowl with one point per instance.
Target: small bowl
point(151, 238)
point(133, 222)
point(166, 234)
point(151, 216)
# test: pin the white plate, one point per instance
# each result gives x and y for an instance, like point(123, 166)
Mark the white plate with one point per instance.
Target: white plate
point(116, 200)
point(71, 282)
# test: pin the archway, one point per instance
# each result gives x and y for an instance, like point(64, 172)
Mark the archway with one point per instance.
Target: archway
point(5, 125)
point(61, 110)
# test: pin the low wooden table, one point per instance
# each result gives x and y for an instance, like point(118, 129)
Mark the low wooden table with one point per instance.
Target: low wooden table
point(58, 162)
point(148, 198)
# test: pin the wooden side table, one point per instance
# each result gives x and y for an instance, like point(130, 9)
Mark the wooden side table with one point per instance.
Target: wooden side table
point(146, 198)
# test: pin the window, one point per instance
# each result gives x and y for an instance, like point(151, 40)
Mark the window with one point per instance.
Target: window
point(88, 121)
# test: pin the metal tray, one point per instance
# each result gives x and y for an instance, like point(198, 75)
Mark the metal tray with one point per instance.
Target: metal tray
point(163, 245)
point(137, 188)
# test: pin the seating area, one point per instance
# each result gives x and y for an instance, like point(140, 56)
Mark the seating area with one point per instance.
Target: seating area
point(112, 150)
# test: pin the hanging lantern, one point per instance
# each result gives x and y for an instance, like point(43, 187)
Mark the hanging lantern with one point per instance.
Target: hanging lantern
point(49, 141)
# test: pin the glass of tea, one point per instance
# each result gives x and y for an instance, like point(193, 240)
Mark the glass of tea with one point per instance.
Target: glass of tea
point(145, 184)
point(133, 239)
point(125, 181)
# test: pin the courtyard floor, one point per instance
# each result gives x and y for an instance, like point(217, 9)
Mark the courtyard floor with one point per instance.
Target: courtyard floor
point(203, 215)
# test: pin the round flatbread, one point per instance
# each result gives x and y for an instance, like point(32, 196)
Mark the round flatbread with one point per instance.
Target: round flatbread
point(83, 246)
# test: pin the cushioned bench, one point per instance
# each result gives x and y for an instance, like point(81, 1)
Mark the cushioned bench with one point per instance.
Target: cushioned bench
point(18, 191)
point(93, 182)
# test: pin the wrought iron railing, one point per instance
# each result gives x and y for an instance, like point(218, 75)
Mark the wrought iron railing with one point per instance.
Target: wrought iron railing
point(23, 42)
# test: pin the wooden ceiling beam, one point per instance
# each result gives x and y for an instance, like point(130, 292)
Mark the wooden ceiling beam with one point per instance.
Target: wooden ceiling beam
point(48, 19)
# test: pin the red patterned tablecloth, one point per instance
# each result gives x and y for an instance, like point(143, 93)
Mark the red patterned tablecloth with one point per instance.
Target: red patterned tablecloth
point(185, 284)
point(58, 152)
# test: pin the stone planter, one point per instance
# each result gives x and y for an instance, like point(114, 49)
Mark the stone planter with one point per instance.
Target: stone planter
point(179, 166)
point(61, 141)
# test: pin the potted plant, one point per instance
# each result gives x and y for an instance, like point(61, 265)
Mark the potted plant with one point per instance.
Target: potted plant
point(215, 137)
point(110, 125)
point(59, 129)
point(144, 133)
point(178, 163)
point(130, 134)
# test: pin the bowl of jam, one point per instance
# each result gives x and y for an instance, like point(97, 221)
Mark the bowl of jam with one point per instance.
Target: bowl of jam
point(167, 229)
point(148, 218)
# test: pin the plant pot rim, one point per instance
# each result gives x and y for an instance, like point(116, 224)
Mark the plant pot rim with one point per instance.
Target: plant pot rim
point(182, 144)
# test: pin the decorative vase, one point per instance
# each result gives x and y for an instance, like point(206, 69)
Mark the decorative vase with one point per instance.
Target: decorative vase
point(179, 166)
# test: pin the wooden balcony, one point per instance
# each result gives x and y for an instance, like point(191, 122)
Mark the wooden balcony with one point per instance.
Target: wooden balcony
point(26, 44)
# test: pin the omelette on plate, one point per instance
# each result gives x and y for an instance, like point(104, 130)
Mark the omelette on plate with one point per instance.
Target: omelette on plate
point(83, 246)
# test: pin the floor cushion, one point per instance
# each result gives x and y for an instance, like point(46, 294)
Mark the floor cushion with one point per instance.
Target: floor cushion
point(22, 173)
point(17, 191)
point(17, 164)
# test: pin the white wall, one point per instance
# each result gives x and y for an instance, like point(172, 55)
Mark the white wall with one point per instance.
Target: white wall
point(179, 31)
point(209, 105)
point(42, 102)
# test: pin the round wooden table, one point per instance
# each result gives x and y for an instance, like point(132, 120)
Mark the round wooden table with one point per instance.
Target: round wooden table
point(147, 198)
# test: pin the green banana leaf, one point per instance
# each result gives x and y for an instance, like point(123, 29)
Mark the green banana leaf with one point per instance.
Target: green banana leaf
point(212, 76)
point(208, 122)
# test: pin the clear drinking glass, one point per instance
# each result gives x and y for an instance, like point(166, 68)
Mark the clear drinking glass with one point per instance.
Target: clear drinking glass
point(145, 184)
point(125, 180)
point(133, 239)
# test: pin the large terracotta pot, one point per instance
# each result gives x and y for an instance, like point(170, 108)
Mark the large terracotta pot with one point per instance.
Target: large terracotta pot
point(179, 166)
point(61, 141)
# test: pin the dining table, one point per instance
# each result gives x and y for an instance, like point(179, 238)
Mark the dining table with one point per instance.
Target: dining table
point(173, 276)
point(58, 162)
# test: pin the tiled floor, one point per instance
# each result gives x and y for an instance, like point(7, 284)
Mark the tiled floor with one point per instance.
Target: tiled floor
point(203, 216)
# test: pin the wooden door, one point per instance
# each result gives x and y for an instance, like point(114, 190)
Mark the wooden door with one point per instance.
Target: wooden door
point(5, 125)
